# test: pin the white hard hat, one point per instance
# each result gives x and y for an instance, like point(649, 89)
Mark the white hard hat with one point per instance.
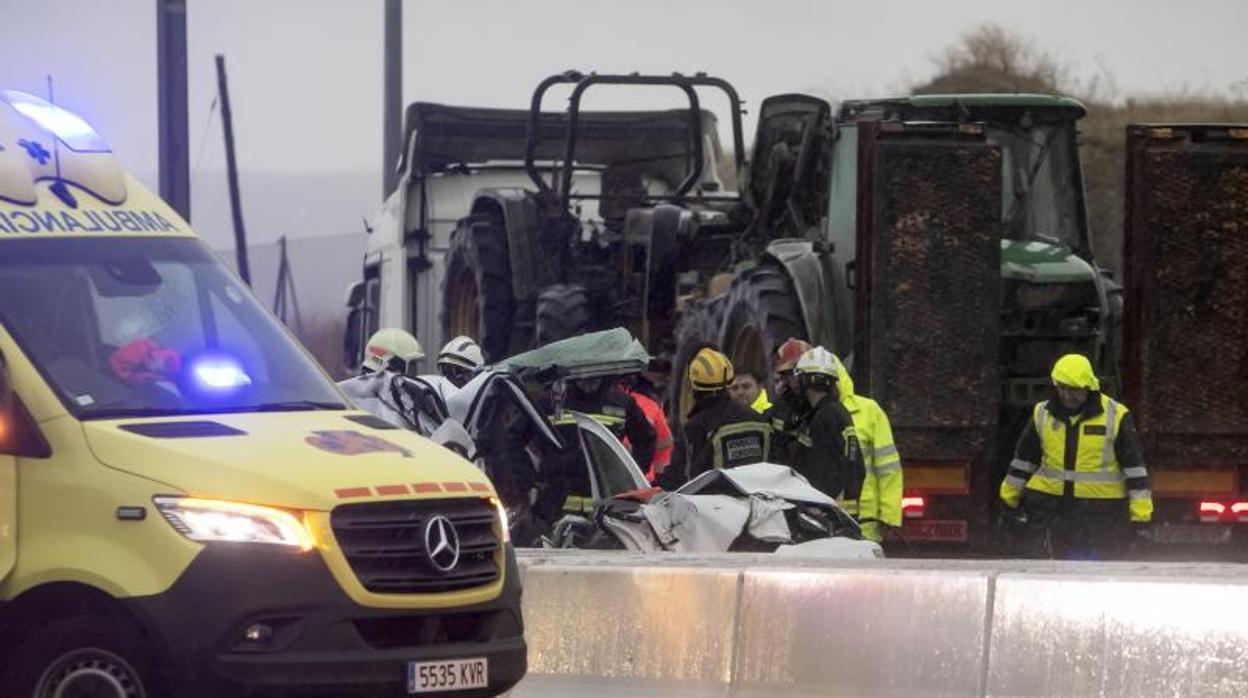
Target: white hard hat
point(391, 349)
point(463, 352)
point(816, 360)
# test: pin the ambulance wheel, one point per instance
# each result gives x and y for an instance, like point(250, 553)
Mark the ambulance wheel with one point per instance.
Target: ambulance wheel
point(88, 656)
point(476, 291)
point(562, 312)
point(763, 311)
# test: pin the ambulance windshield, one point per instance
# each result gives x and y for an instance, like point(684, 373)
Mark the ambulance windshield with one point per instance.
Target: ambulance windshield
point(149, 327)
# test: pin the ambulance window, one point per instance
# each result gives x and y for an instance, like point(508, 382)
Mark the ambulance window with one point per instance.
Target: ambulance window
point(167, 313)
point(232, 334)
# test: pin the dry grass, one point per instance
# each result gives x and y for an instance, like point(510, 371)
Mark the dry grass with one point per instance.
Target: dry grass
point(323, 338)
point(992, 59)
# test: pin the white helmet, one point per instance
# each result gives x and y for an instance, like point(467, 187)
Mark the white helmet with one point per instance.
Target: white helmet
point(817, 368)
point(392, 349)
point(462, 352)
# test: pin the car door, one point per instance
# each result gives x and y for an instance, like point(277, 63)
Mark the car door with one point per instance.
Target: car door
point(612, 470)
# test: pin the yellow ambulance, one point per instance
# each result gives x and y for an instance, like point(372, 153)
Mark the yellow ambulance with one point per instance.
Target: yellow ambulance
point(188, 506)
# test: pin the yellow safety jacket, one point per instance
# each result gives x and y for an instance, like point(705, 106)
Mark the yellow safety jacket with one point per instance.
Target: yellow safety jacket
point(762, 403)
point(880, 501)
point(1079, 459)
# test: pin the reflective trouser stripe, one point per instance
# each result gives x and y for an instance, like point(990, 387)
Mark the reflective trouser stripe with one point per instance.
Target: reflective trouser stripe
point(1139, 494)
point(884, 452)
point(1014, 481)
point(1137, 471)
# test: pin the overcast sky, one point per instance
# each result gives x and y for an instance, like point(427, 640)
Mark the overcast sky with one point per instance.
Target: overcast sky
point(305, 75)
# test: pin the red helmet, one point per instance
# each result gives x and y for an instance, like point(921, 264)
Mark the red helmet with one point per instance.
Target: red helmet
point(788, 353)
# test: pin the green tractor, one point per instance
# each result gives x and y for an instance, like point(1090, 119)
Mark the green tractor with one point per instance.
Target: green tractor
point(940, 244)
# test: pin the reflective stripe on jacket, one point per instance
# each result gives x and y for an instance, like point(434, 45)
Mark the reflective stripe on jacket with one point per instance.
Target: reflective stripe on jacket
point(1093, 455)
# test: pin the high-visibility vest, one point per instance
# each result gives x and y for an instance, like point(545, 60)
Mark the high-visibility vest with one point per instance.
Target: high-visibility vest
point(1096, 473)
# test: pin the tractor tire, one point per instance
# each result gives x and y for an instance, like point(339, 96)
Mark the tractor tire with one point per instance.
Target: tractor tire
point(477, 299)
point(698, 329)
point(84, 655)
point(762, 312)
point(562, 312)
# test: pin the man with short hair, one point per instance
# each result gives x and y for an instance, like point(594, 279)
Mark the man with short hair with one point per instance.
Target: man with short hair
point(747, 389)
point(1078, 473)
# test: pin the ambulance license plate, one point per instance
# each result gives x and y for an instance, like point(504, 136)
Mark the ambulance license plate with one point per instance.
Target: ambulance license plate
point(448, 675)
point(1192, 534)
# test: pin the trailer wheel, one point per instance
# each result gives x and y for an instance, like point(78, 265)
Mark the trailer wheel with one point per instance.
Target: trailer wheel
point(476, 291)
point(763, 311)
point(83, 656)
point(562, 312)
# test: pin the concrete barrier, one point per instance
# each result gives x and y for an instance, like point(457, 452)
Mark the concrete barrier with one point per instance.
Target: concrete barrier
point(744, 626)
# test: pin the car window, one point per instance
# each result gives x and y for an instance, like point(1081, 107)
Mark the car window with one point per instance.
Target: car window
point(611, 471)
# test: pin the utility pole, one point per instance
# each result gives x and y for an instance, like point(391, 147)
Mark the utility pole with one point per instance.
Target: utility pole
point(236, 206)
point(285, 298)
point(175, 169)
point(392, 119)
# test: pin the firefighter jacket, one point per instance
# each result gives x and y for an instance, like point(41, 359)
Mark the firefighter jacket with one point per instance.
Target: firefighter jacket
point(785, 417)
point(616, 410)
point(882, 486)
point(828, 453)
point(720, 433)
point(1093, 453)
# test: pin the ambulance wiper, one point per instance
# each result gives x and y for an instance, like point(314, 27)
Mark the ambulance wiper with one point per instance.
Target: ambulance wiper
point(139, 412)
point(295, 406)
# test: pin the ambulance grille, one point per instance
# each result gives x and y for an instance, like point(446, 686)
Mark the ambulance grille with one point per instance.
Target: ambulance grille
point(384, 542)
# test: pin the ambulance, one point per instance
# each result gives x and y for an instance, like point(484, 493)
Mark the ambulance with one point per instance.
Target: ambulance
point(188, 506)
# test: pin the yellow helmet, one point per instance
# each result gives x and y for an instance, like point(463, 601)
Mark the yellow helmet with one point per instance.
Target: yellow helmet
point(710, 370)
point(1075, 371)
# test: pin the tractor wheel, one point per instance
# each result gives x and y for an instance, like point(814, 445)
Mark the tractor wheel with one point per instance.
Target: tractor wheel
point(698, 329)
point(562, 312)
point(476, 291)
point(763, 311)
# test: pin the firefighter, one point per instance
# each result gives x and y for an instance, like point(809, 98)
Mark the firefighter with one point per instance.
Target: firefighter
point(790, 406)
point(720, 432)
point(389, 357)
point(459, 360)
point(879, 506)
point(747, 389)
point(827, 453)
point(1078, 472)
point(613, 408)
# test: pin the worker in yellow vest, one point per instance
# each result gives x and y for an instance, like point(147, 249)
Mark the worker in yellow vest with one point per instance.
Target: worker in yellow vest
point(879, 505)
point(1078, 472)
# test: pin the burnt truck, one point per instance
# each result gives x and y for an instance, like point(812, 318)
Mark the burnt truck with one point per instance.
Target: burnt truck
point(939, 244)
point(1186, 325)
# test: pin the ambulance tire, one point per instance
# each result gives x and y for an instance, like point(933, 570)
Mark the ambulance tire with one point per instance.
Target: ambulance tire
point(478, 257)
point(89, 653)
point(562, 312)
point(763, 311)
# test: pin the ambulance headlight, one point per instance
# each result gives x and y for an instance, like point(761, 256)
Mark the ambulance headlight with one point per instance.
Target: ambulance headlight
point(214, 520)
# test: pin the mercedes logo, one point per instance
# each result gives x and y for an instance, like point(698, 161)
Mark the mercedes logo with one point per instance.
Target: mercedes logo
point(442, 543)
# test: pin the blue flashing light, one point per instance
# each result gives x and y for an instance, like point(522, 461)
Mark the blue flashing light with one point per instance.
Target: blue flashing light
point(70, 128)
point(219, 374)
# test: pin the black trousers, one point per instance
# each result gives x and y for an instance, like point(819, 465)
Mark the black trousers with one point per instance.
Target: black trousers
point(1071, 528)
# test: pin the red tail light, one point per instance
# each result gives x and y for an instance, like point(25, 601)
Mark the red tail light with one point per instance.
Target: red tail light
point(912, 507)
point(1240, 510)
point(1211, 511)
